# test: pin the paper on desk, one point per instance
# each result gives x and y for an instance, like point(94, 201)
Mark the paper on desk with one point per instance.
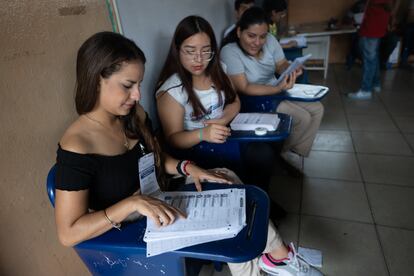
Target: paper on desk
point(307, 91)
point(211, 215)
point(252, 121)
point(300, 40)
point(162, 246)
point(292, 67)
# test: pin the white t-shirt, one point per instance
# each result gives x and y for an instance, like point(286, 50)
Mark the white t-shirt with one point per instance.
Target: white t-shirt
point(208, 98)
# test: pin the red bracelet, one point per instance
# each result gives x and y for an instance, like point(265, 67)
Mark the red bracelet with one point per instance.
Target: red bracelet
point(185, 166)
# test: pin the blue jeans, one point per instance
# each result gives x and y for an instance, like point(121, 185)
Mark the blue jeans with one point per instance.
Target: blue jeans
point(370, 58)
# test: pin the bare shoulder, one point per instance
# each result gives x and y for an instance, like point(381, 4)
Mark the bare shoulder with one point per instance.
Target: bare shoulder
point(77, 138)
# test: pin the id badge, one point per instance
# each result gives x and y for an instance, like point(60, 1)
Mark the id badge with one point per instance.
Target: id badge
point(147, 178)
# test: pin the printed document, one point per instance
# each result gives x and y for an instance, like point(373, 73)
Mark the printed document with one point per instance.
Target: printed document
point(211, 215)
point(292, 67)
point(252, 121)
point(308, 91)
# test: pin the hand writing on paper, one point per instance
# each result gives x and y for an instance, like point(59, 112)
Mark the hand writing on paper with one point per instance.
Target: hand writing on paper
point(198, 174)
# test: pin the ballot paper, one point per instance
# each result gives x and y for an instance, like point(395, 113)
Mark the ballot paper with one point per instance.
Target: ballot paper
point(252, 121)
point(292, 67)
point(308, 91)
point(211, 215)
point(300, 40)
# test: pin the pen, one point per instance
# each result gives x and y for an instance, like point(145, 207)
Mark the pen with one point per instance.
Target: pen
point(319, 92)
point(250, 224)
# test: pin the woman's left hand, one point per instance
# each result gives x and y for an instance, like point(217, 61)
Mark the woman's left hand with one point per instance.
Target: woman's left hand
point(198, 174)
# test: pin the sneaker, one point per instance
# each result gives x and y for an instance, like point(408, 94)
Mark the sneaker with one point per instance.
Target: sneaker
point(377, 89)
point(360, 95)
point(290, 266)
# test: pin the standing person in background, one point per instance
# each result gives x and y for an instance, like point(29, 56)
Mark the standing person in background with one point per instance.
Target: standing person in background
point(354, 17)
point(373, 28)
point(239, 7)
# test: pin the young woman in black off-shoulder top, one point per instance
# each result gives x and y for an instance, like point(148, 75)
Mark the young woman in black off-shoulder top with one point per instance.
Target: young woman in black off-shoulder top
point(97, 183)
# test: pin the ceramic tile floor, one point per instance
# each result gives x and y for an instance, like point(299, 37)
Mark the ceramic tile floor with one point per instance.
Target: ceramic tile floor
point(356, 200)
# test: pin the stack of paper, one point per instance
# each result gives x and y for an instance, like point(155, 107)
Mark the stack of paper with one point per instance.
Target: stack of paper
point(307, 91)
point(252, 121)
point(211, 215)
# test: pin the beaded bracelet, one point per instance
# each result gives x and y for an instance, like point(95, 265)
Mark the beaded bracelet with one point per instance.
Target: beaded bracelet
point(185, 166)
point(114, 224)
point(179, 168)
point(200, 134)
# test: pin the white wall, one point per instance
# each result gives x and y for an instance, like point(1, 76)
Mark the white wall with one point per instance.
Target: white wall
point(151, 24)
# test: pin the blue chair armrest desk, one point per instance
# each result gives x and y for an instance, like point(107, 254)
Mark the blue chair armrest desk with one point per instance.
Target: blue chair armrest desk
point(228, 154)
point(124, 252)
point(269, 103)
point(293, 52)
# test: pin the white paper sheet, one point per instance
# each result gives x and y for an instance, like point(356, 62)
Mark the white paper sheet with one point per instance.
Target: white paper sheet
point(311, 256)
point(308, 91)
point(252, 121)
point(211, 215)
point(292, 67)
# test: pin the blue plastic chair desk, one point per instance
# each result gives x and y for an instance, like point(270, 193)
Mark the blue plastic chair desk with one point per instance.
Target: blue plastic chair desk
point(269, 103)
point(229, 154)
point(123, 252)
point(281, 133)
point(293, 52)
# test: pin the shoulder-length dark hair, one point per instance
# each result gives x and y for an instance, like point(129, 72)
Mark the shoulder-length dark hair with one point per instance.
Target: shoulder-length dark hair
point(100, 56)
point(190, 26)
point(252, 16)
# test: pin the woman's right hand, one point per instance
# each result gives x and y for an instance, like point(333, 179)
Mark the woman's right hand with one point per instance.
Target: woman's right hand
point(215, 133)
point(160, 212)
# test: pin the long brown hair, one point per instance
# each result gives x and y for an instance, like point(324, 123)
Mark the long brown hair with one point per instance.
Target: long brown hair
point(102, 55)
point(190, 26)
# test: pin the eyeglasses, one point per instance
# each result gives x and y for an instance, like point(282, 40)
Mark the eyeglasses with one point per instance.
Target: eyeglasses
point(204, 56)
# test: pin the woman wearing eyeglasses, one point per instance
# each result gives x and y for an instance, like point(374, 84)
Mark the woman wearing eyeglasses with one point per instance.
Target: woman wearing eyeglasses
point(196, 101)
point(195, 98)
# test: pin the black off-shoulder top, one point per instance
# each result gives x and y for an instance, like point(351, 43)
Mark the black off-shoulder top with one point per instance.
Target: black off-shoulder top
point(109, 179)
